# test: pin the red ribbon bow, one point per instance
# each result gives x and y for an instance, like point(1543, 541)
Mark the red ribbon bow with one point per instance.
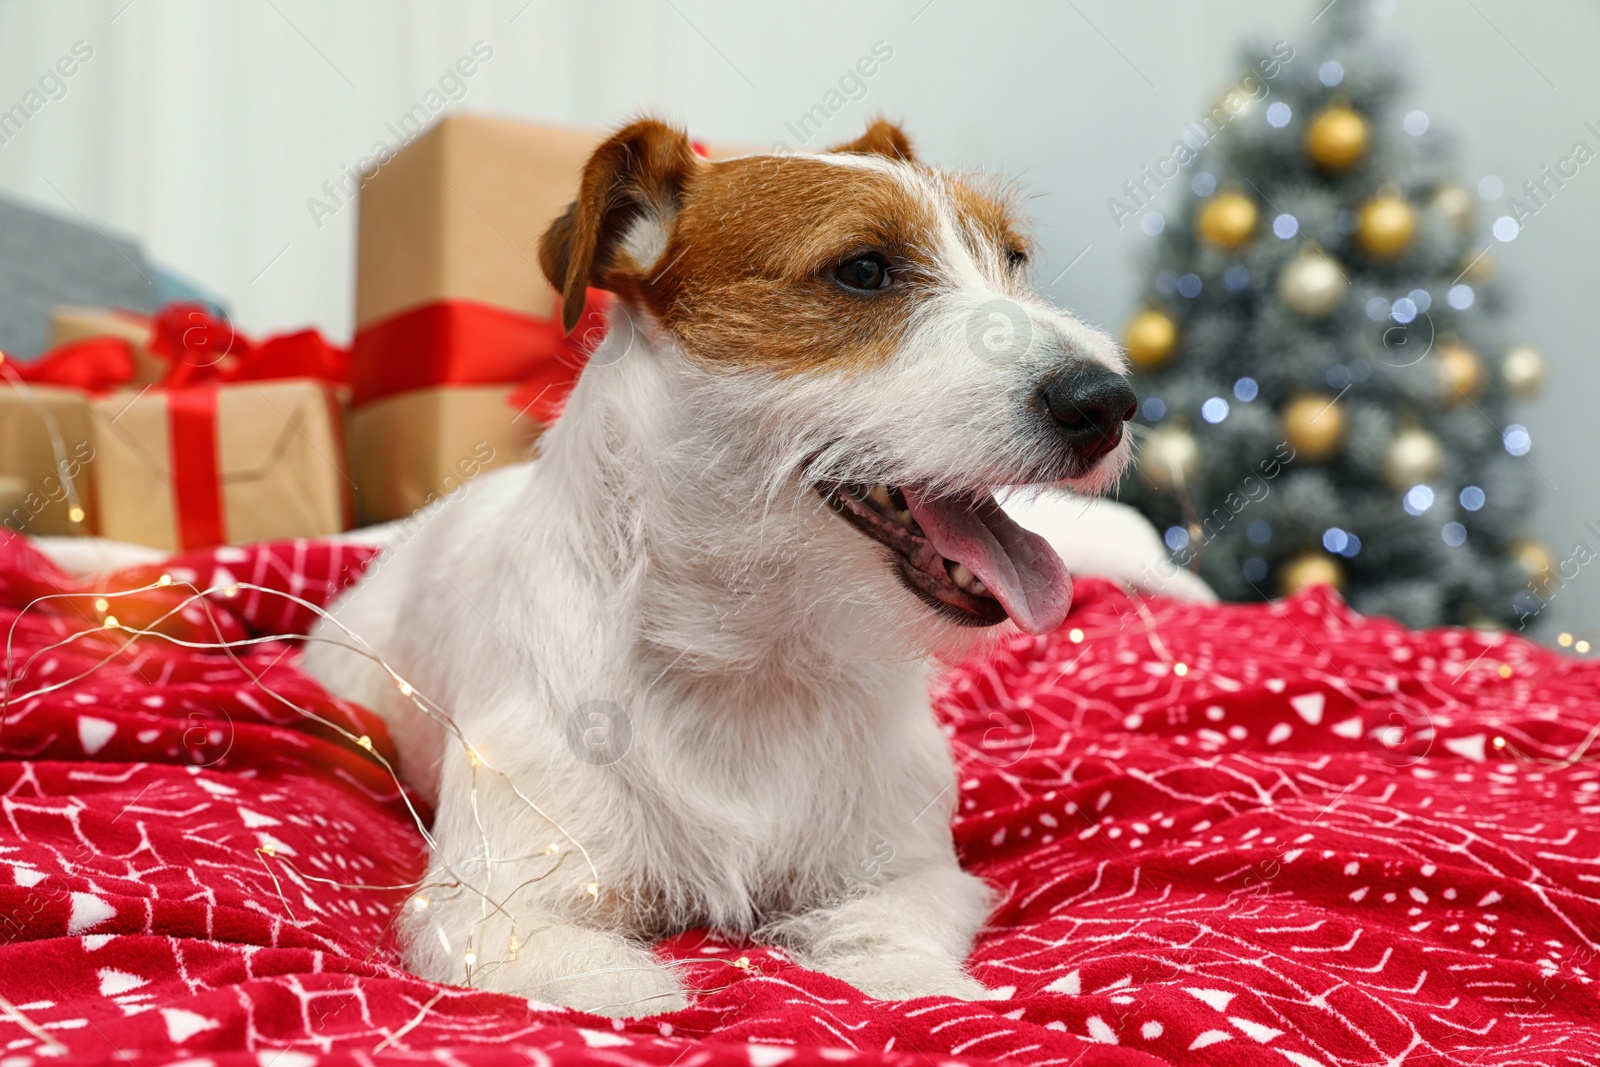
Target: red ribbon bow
point(208, 351)
point(93, 365)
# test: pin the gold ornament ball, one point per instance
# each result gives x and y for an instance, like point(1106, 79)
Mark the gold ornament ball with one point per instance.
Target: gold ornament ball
point(1460, 374)
point(1312, 285)
point(1337, 137)
point(1523, 372)
point(1314, 425)
point(1309, 569)
point(1386, 225)
point(1228, 220)
point(1454, 204)
point(1151, 337)
point(1413, 457)
point(1169, 458)
point(1534, 558)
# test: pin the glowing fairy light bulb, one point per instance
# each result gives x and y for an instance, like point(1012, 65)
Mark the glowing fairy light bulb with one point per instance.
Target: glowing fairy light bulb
point(231, 592)
point(75, 514)
point(111, 622)
point(1582, 647)
point(554, 849)
point(1499, 742)
point(1505, 670)
point(419, 902)
point(1180, 669)
point(164, 581)
point(1565, 640)
point(267, 851)
point(593, 889)
point(365, 742)
point(1075, 635)
point(102, 605)
point(470, 957)
point(404, 686)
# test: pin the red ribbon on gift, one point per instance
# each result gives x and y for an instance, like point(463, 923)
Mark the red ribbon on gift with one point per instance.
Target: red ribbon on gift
point(93, 365)
point(206, 352)
point(463, 342)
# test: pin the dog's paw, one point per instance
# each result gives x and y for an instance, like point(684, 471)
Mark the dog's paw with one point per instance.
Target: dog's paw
point(613, 977)
point(639, 990)
point(905, 976)
point(588, 970)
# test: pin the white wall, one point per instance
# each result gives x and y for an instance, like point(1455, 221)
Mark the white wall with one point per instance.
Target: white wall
point(203, 128)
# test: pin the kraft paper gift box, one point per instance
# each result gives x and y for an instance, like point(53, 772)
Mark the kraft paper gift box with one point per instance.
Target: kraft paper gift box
point(69, 323)
point(46, 459)
point(452, 310)
point(199, 465)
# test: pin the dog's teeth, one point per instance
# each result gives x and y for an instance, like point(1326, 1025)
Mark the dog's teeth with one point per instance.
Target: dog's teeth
point(909, 522)
point(879, 495)
point(965, 579)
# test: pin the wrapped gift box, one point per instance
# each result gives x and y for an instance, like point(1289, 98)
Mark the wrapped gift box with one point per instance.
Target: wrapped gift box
point(46, 459)
point(451, 308)
point(191, 466)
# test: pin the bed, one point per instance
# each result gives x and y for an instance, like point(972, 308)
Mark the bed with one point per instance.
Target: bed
point(1270, 834)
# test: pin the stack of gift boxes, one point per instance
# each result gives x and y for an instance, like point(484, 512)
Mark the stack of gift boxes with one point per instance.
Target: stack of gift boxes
point(177, 432)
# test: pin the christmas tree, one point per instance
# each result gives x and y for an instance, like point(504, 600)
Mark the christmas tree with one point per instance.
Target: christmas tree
point(1327, 396)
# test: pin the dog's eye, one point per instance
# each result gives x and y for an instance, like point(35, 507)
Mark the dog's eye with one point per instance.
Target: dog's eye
point(863, 273)
point(1016, 259)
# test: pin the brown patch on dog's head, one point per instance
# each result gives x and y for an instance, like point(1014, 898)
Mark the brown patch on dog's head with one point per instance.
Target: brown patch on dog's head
point(744, 269)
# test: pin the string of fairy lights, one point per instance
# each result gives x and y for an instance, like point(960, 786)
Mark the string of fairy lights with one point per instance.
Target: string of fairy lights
point(477, 959)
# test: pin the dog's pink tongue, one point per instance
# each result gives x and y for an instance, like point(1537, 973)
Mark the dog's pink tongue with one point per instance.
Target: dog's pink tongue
point(1019, 567)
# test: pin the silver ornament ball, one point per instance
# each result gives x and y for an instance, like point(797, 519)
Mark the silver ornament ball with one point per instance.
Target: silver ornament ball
point(1312, 285)
point(1414, 456)
point(1169, 457)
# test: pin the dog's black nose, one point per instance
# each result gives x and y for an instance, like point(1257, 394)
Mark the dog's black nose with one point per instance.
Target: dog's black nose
point(1090, 403)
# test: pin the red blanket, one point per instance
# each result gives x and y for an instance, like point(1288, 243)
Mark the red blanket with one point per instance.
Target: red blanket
point(1276, 834)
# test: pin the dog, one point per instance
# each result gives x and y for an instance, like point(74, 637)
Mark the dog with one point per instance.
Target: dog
point(687, 650)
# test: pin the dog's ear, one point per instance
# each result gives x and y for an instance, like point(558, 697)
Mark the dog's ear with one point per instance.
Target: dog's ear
point(883, 138)
point(636, 177)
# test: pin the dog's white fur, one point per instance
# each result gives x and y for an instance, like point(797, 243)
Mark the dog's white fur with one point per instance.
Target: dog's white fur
point(784, 775)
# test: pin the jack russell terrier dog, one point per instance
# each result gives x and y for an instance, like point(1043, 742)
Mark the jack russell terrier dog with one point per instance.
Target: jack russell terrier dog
point(764, 517)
